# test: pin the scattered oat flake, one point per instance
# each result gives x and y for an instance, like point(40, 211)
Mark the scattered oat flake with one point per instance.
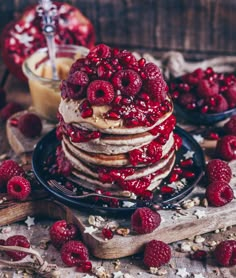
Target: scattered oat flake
point(189, 154)
point(89, 276)
point(6, 230)
point(198, 138)
point(118, 274)
point(182, 272)
point(185, 247)
point(90, 230)
point(199, 275)
point(199, 239)
point(127, 204)
point(30, 221)
point(199, 213)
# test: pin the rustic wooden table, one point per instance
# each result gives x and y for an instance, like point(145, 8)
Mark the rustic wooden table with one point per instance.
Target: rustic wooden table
point(179, 266)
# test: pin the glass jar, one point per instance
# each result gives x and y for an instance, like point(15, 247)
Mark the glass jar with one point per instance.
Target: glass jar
point(44, 90)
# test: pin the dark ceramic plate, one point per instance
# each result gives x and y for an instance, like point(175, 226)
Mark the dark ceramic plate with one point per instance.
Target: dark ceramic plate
point(47, 146)
point(203, 119)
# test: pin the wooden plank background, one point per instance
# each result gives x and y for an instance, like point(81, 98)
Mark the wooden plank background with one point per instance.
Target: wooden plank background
point(198, 28)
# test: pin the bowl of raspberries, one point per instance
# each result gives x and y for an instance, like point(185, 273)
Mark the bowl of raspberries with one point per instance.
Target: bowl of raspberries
point(204, 97)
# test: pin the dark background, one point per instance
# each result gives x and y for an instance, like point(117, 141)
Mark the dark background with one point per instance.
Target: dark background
point(198, 28)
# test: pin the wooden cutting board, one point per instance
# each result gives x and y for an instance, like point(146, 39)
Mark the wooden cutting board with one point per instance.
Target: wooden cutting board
point(174, 226)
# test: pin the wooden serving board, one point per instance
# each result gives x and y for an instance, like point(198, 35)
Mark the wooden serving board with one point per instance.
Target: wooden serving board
point(173, 227)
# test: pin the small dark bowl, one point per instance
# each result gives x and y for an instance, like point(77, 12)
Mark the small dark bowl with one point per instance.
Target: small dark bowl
point(201, 118)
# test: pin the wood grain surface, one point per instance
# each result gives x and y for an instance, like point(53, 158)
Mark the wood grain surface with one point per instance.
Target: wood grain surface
point(198, 28)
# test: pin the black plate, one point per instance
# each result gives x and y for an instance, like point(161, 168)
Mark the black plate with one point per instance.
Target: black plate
point(201, 118)
point(47, 145)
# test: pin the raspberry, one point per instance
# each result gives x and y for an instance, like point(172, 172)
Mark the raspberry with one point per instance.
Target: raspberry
point(30, 125)
point(74, 253)
point(156, 253)
point(8, 169)
point(152, 72)
point(127, 81)
point(230, 95)
point(144, 220)
point(186, 98)
point(207, 88)
point(17, 240)
point(219, 193)
point(61, 232)
point(75, 87)
point(226, 148)
point(218, 170)
point(10, 109)
point(199, 255)
point(100, 51)
point(194, 77)
point(230, 126)
point(77, 65)
point(2, 98)
point(220, 104)
point(19, 188)
point(100, 92)
point(225, 253)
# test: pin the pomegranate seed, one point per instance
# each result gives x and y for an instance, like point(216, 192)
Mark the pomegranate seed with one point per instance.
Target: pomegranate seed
point(88, 70)
point(112, 115)
point(85, 104)
point(209, 71)
point(119, 67)
point(147, 195)
point(199, 255)
point(191, 106)
point(184, 87)
point(188, 174)
point(223, 89)
point(177, 170)
point(107, 233)
point(117, 99)
point(109, 66)
point(95, 59)
point(175, 94)
point(84, 266)
point(143, 75)
point(204, 109)
point(126, 101)
point(14, 122)
point(186, 163)
point(213, 136)
point(95, 135)
point(141, 62)
point(167, 190)
point(212, 101)
point(86, 113)
point(115, 51)
point(144, 96)
point(174, 177)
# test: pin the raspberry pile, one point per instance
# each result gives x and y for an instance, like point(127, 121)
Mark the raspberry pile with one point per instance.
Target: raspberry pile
point(205, 91)
point(225, 253)
point(218, 191)
point(114, 77)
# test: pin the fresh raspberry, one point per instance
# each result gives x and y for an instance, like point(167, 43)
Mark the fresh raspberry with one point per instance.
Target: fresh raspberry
point(186, 98)
point(219, 193)
point(30, 125)
point(220, 104)
point(230, 95)
point(10, 109)
point(74, 253)
point(128, 82)
point(225, 253)
point(194, 77)
point(199, 255)
point(77, 65)
point(19, 188)
point(100, 51)
point(207, 88)
point(218, 170)
point(8, 169)
point(61, 232)
point(100, 92)
point(156, 253)
point(226, 148)
point(230, 126)
point(74, 88)
point(144, 220)
point(2, 98)
point(152, 72)
point(17, 240)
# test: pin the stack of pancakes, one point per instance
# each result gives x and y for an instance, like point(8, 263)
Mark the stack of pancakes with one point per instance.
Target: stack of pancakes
point(111, 150)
